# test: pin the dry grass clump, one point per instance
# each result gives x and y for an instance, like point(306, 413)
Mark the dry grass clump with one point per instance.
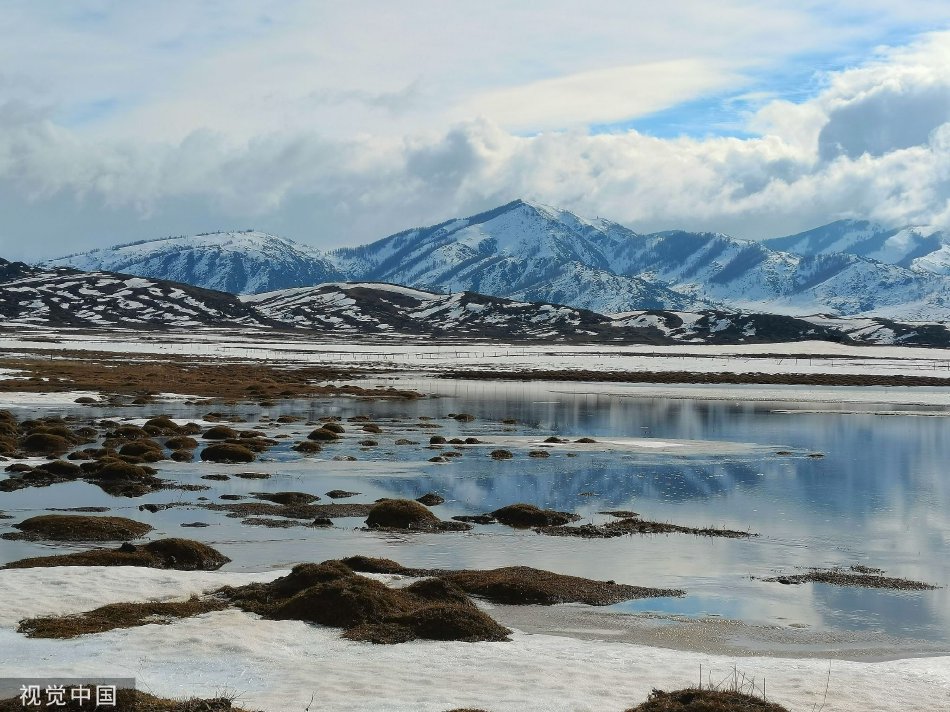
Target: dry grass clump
point(523, 585)
point(635, 525)
point(220, 432)
point(181, 442)
point(113, 373)
point(290, 511)
point(227, 453)
point(322, 434)
point(431, 499)
point(373, 565)
point(145, 448)
point(696, 700)
point(308, 447)
point(340, 494)
point(290, 498)
point(407, 514)
point(65, 527)
point(180, 554)
point(332, 594)
point(116, 615)
point(862, 576)
point(44, 444)
point(527, 515)
point(120, 478)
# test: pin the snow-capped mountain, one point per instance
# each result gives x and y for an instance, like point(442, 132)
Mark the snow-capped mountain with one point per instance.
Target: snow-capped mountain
point(236, 262)
point(538, 253)
point(520, 250)
point(922, 248)
point(66, 297)
point(530, 252)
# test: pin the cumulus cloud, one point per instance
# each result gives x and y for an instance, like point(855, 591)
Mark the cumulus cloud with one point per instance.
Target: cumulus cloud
point(873, 142)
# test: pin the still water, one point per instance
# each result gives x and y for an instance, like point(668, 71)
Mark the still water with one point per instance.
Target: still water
point(879, 496)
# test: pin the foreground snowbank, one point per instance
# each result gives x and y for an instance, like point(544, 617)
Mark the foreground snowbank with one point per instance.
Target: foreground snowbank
point(280, 665)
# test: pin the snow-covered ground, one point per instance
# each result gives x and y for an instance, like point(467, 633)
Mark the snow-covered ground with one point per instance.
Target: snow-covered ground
point(807, 357)
point(281, 665)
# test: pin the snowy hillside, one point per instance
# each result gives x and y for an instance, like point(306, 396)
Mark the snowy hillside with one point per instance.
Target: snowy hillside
point(386, 309)
point(65, 297)
point(921, 248)
point(236, 262)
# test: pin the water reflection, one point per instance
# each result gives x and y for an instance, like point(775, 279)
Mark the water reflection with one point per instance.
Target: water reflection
point(878, 496)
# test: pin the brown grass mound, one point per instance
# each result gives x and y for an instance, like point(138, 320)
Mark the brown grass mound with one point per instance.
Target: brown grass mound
point(431, 499)
point(220, 432)
point(452, 622)
point(401, 514)
point(373, 565)
point(227, 452)
point(322, 434)
point(635, 525)
point(44, 444)
point(858, 576)
point(346, 602)
point(65, 527)
point(340, 494)
point(332, 594)
point(290, 498)
point(120, 478)
point(180, 554)
point(308, 447)
point(181, 442)
point(523, 585)
point(440, 622)
point(527, 515)
point(141, 447)
point(116, 615)
point(694, 700)
point(60, 468)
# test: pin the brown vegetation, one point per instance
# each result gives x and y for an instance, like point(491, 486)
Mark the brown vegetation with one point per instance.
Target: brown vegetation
point(116, 615)
point(228, 453)
point(332, 594)
point(115, 373)
point(522, 585)
point(180, 554)
point(407, 514)
point(527, 515)
point(64, 527)
point(696, 700)
point(862, 576)
point(634, 525)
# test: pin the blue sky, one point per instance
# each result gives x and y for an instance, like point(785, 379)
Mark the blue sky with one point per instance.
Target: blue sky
point(337, 123)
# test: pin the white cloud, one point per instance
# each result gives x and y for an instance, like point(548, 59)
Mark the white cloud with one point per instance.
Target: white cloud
point(603, 95)
point(339, 133)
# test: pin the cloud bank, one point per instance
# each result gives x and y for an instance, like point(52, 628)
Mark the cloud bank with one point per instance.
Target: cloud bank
point(873, 141)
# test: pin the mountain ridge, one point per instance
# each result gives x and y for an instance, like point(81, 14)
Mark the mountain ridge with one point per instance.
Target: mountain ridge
point(525, 250)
